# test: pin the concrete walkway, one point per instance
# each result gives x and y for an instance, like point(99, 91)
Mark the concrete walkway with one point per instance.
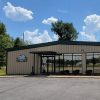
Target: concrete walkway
point(10, 76)
point(50, 76)
point(64, 76)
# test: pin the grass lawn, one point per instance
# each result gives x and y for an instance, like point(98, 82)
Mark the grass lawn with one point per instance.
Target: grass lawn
point(2, 71)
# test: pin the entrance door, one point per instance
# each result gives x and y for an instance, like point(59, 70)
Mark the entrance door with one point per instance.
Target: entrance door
point(47, 65)
point(61, 64)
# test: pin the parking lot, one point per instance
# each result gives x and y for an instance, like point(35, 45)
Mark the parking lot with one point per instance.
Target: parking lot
point(41, 88)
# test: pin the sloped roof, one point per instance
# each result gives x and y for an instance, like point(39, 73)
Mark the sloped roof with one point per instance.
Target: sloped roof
point(55, 43)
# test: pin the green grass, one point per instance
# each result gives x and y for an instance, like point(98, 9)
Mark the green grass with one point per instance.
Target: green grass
point(2, 71)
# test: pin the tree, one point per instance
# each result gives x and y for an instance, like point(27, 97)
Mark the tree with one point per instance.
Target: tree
point(5, 42)
point(2, 56)
point(2, 28)
point(18, 42)
point(65, 31)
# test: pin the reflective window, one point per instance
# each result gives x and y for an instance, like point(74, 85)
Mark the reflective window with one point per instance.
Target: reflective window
point(96, 62)
point(93, 62)
point(62, 64)
point(77, 64)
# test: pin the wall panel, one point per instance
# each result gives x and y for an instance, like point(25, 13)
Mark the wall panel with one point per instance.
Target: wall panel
point(26, 67)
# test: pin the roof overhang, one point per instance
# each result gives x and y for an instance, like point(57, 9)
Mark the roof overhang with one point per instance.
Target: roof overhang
point(87, 43)
point(44, 52)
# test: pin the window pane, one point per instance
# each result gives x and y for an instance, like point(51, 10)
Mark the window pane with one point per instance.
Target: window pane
point(89, 62)
point(77, 64)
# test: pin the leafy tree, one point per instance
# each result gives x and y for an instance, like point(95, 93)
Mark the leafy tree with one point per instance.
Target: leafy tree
point(65, 31)
point(18, 42)
point(2, 29)
point(5, 42)
point(2, 57)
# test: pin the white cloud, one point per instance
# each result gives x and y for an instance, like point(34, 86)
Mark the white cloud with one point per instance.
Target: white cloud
point(17, 13)
point(49, 20)
point(38, 37)
point(55, 37)
point(88, 37)
point(91, 28)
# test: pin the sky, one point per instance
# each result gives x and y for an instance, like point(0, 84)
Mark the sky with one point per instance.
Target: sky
point(34, 18)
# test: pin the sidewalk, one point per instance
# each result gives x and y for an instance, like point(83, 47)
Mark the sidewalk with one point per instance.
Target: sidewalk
point(11, 76)
point(49, 76)
point(65, 76)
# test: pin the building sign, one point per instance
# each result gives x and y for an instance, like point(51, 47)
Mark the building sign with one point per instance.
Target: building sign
point(21, 58)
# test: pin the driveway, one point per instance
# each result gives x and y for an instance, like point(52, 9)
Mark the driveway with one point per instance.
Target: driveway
point(31, 88)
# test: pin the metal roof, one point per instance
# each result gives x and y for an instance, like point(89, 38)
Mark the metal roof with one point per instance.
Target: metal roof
point(55, 43)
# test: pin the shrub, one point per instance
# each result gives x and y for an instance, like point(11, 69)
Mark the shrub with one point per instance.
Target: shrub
point(89, 72)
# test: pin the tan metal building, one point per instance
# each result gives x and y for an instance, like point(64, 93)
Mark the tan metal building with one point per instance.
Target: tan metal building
point(58, 57)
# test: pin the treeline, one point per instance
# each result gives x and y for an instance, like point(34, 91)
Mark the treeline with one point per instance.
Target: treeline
point(93, 60)
point(7, 42)
point(65, 62)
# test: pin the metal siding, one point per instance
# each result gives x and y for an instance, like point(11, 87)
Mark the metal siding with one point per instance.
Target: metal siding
point(19, 67)
point(78, 49)
point(26, 67)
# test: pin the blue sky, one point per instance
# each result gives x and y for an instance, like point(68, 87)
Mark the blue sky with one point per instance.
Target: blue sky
point(34, 17)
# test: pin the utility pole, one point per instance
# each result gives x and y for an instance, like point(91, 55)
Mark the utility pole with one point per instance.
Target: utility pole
point(23, 36)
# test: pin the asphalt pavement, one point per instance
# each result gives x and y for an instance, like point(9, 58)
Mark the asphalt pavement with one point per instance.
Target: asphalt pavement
point(41, 88)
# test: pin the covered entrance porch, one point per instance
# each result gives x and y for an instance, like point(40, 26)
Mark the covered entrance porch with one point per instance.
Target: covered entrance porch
point(61, 64)
point(48, 62)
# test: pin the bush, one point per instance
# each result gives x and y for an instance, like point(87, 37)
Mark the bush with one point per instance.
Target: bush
point(64, 72)
point(32, 73)
point(67, 72)
point(89, 72)
point(76, 72)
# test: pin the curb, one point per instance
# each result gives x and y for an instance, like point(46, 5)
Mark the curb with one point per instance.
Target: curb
point(51, 76)
point(8, 76)
point(94, 77)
